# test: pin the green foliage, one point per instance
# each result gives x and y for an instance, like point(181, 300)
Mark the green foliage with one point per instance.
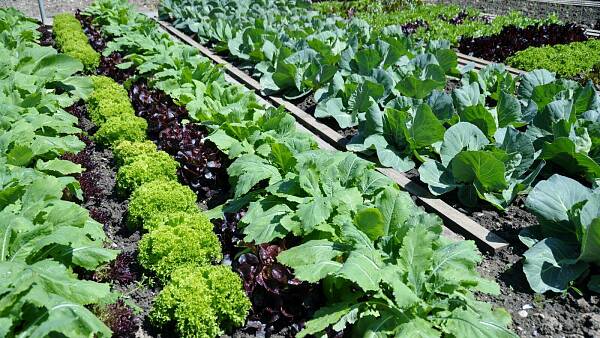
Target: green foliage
point(45, 238)
point(566, 243)
point(145, 168)
point(573, 60)
point(121, 128)
point(109, 99)
point(385, 287)
point(380, 257)
point(71, 39)
point(166, 248)
point(202, 301)
point(126, 151)
point(436, 19)
point(195, 219)
point(17, 28)
point(157, 197)
point(49, 292)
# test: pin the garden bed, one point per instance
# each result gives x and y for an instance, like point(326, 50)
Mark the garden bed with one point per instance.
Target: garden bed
point(267, 235)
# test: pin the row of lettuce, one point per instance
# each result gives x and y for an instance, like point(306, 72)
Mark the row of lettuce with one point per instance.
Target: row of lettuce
point(46, 235)
point(386, 267)
point(519, 41)
point(488, 138)
point(179, 246)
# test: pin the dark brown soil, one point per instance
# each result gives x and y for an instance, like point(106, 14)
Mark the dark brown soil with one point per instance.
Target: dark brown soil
point(110, 209)
point(557, 316)
point(569, 315)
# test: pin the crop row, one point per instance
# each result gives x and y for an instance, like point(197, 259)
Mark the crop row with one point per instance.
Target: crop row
point(519, 41)
point(395, 91)
point(431, 22)
point(380, 260)
point(179, 246)
point(48, 239)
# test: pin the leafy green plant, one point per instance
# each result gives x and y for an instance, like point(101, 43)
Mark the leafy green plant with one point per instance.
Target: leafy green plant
point(46, 237)
point(16, 28)
point(432, 22)
point(183, 242)
point(145, 168)
point(126, 151)
point(570, 61)
point(565, 245)
point(387, 281)
point(159, 196)
point(109, 99)
point(71, 39)
point(121, 128)
point(195, 219)
point(202, 301)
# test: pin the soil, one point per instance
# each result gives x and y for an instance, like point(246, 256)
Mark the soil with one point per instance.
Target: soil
point(569, 315)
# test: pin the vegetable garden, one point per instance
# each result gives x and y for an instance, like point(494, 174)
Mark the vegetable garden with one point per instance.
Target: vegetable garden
point(146, 192)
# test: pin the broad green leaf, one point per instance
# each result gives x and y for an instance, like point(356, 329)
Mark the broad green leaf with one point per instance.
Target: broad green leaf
point(418, 328)
point(415, 256)
point(404, 297)
point(562, 151)
point(314, 212)
point(590, 230)
point(263, 221)
point(461, 136)
point(396, 208)
point(435, 175)
point(470, 324)
point(426, 129)
point(371, 222)
point(363, 267)
point(481, 117)
point(479, 167)
point(60, 167)
point(313, 260)
point(551, 264)
point(432, 77)
point(508, 110)
point(325, 317)
point(531, 80)
point(552, 199)
point(249, 170)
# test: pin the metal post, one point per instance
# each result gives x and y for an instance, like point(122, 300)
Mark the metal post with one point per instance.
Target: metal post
point(42, 11)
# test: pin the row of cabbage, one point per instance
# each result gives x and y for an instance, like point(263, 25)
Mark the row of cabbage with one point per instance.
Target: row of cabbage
point(46, 235)
point(387, 268)
point(488, 138)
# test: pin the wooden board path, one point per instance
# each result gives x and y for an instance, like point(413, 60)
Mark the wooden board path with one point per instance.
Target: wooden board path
point(453, 219)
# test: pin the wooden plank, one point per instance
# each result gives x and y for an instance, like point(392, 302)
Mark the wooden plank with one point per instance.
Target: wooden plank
point(479, 62)
point(454, 220)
